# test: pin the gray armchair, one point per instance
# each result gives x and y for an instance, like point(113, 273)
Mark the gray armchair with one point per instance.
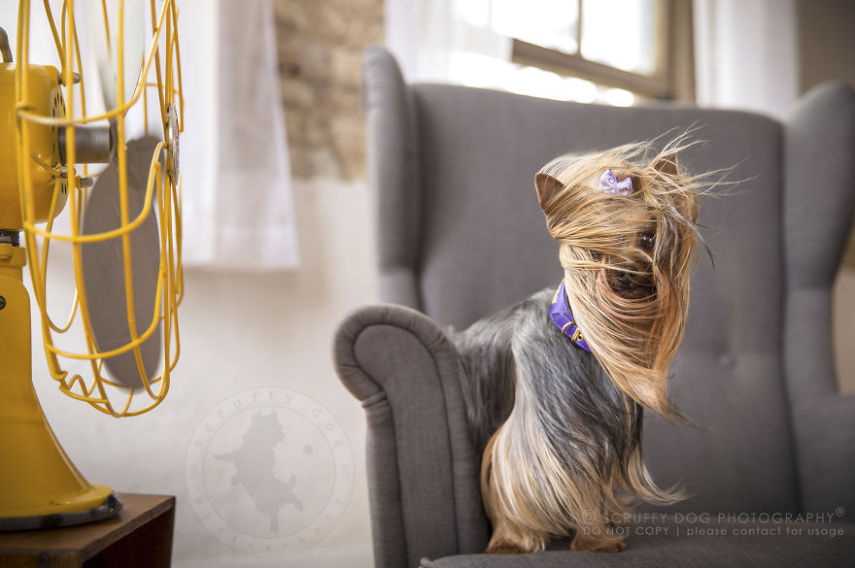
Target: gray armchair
point(461, 236)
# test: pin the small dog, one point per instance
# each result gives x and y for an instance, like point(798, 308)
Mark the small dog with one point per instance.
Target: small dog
point(554, 386)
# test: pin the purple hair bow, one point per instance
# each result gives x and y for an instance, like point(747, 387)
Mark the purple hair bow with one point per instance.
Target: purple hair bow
point(609, 182)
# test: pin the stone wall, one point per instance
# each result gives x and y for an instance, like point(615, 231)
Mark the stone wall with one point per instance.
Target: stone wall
point(320, 46)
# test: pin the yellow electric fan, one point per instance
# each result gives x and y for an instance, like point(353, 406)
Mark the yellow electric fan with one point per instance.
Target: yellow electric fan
point(121, 226)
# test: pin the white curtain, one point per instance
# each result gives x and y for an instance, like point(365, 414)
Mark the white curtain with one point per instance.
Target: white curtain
point(746, 54)
point(429, 36)
point(238, 207)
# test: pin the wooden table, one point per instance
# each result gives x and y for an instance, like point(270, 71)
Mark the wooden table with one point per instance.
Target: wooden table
point(141, 536)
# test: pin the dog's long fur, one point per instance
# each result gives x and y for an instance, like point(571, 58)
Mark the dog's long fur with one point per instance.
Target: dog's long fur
point(560, 428)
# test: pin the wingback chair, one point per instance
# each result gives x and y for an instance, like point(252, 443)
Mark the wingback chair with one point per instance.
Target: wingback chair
point(460, 235)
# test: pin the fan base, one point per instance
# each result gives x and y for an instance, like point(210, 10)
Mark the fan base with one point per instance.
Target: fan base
point(110, 508)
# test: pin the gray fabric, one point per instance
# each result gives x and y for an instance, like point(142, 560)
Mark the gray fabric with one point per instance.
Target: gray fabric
point(422, 469)
point(818, 205)
point(393, 170)
point(461, 236)
point(672, 546)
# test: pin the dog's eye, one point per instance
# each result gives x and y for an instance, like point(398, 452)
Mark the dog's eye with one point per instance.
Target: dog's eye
point(647, 241)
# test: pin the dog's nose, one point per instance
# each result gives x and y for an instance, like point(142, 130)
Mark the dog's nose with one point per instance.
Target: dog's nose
point(647, 241)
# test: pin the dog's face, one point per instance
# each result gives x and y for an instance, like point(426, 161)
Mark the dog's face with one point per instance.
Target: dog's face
point(632, 274)
point(627, 259)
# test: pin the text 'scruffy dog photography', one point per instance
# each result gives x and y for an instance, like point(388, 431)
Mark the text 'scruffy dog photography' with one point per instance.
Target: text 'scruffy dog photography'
point(555, 386)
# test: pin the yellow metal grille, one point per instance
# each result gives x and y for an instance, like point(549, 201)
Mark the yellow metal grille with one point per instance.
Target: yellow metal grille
point(160, 80)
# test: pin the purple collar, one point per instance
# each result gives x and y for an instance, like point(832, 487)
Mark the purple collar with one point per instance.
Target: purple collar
point(559, 313)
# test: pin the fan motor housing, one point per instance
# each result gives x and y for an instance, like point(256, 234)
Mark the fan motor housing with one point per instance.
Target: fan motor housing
point(46, 172)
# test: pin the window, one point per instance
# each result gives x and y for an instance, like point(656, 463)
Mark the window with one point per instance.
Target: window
point(609, 51)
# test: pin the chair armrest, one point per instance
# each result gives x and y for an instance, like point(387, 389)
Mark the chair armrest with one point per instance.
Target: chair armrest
point(422, 469)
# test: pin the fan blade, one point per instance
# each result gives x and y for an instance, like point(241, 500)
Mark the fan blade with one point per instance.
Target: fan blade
point(104, 273)
point(105, 49)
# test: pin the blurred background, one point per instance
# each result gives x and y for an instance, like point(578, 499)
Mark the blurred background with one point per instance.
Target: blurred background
point(279, 218)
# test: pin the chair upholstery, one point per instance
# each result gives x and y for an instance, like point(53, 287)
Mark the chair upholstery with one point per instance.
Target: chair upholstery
point(460, 235)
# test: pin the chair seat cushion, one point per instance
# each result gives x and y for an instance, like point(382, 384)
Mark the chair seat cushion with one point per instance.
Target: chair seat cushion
point(712, 541)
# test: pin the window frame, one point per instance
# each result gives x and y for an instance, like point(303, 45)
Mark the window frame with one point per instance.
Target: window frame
point(673, 78)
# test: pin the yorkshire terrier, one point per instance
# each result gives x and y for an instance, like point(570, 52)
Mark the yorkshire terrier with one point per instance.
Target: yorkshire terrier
point(555, 385)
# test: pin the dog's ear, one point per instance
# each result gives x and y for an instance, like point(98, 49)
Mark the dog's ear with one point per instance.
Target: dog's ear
point(547, 187)
point(667, 164)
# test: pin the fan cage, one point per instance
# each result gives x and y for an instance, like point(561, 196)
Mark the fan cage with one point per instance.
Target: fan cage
point(162, 194)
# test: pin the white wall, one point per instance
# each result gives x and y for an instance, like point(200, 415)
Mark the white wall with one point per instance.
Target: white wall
point(241, 331)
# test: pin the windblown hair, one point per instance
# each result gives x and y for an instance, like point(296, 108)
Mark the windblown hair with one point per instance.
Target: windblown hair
point(627, 259)
point(560, 428)
point(566, 461)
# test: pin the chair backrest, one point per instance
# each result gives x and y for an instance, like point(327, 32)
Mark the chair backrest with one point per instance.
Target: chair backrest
point(461, 236)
